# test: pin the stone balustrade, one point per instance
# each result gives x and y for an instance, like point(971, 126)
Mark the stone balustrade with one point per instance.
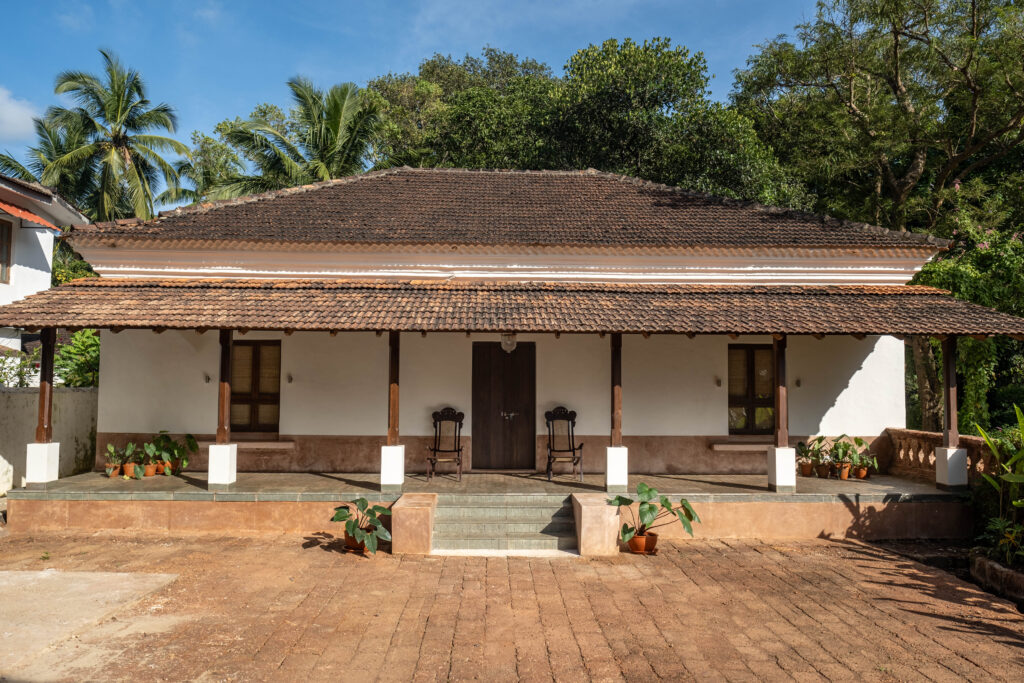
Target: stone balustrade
point(913, 454)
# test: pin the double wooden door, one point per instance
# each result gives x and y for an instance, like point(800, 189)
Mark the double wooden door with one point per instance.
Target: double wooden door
point(504, 399)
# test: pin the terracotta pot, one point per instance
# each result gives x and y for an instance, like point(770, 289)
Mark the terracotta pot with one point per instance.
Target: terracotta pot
point(844, 470)
point(159, 468)
point(129, 469)
point(822, 471)
point(175, 466)
point(860, 472)
point(806, 469)
point(352, 544)
point(115, 470)
point(150, 470)
point(643, 545)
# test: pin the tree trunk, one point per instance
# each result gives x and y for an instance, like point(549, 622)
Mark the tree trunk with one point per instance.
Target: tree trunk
point(927, 384)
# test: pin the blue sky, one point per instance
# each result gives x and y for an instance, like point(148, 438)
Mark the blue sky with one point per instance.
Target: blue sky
point(216, 59)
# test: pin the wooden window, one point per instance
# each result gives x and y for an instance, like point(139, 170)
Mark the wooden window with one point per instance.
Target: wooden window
point(751, 389)
point(255, 385)
point(6, 250)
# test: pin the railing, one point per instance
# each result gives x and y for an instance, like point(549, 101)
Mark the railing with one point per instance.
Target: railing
point(913, 454)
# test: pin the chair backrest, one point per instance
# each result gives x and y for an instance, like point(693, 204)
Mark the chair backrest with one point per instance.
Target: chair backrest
point(561, 429)
point(447, 429)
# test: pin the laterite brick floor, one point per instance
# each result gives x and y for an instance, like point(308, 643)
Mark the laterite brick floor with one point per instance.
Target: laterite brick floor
point(291, 608)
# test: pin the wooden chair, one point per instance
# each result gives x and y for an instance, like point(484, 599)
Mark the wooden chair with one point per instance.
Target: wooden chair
point(447, 440)
point(562, 446)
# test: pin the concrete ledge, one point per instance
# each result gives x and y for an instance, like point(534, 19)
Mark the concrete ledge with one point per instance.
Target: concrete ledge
point(597, 524)
point(412, 524)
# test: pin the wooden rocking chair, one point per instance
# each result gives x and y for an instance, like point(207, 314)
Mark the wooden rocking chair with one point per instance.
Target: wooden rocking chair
point(562, 446)
point(447, 441)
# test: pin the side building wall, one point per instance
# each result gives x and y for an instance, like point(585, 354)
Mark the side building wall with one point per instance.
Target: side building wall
point(333, 415)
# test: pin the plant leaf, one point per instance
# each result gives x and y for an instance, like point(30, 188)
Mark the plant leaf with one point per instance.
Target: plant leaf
point(620, 501)
point(627, 533)
point(686, 522)
point(647, 513)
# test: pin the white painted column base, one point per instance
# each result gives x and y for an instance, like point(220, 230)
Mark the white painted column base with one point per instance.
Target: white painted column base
point(223, 466)
point(616, 469)
point(782, 469)
point(951, 468)
point(392, 468)
point(42, 463)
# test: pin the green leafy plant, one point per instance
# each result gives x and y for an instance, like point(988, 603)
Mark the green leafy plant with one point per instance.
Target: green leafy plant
point(115, 458)
point(174, 450)
point(846, 449)
point(77, 363)
point(133, 468)
point(812, 451)
point(17, 368)
point(364, 525)
point(655, 510)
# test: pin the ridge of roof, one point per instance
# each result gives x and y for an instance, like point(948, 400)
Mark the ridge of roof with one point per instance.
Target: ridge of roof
point(44, 190)
point(921, 239)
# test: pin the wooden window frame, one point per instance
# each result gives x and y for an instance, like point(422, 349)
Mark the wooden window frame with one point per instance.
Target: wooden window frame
point(7, 228)
point(751, 402)
point(253, 397)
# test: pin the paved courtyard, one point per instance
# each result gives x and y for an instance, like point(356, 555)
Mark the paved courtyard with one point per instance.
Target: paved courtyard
point(294, 608)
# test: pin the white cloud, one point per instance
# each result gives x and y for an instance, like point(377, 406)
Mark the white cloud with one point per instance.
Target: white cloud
point(15, 117)
point(76, 16)
point(210, 12)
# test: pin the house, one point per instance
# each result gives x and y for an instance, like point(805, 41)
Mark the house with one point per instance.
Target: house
point(29, 216)
point(316, 329)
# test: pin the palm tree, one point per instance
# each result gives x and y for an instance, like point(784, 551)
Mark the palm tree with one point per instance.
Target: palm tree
point(117, 119)
point(54, 141)
point(331, 138)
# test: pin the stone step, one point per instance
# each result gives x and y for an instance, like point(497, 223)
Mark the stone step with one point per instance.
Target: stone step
point(501, 499)
point(514, 541)
point(500, 512)
point(497, 529)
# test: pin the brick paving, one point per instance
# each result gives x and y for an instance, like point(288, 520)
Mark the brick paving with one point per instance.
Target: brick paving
point(293, 608)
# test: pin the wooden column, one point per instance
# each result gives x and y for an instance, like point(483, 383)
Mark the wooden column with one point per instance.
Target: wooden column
point(616, 389)
point(224, 389)
point(781, 393)
point(44, 423)
point(393, 355)
point(950, 430)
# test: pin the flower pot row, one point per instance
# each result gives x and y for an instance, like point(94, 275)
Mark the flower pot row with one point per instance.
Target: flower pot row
point(163, 455)
point(131, 470)
point(843, 470)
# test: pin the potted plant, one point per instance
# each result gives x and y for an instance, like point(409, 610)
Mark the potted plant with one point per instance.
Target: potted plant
point(148, 457)
point(652, 509)
point(810, 455)
point(863, 461)
point(175, 453)
point(114, 459)
point(363, 529)
point(844, 450)
point(823, 468)
point(132, 467)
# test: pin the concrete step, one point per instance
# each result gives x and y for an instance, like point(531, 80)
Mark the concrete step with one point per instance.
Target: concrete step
point(502, 499)
point(500, 513)
point(497, 529)
point(514, 541)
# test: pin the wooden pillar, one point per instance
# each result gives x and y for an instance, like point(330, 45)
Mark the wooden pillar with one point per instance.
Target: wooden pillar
point(44, 423)
point(950, 430)
point(616, 389)
point(781, 393)
point(393, 355)
point(224, 390)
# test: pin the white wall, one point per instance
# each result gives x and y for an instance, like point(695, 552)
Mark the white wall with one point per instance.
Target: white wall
point(32, 258)
point(150, 382)
point(847, 385)
point(339, 384)
point(74, 428)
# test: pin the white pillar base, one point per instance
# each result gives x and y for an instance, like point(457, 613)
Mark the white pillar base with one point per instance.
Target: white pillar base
point(616, 469)
point(392, 468)
point(42, 463)
point(951, 468)
point(782, 469)
point(223, 465)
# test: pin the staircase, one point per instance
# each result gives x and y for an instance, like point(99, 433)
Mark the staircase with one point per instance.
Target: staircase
point(468, 522)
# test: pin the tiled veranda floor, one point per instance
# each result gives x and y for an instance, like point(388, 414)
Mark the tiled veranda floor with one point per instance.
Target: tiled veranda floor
point(332, 486)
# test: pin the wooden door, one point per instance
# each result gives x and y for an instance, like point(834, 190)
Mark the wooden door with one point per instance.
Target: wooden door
point(504, 413)
point(255, 386)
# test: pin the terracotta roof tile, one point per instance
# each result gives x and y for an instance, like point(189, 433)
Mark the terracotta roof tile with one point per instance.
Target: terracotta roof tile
point(504, 306)
point(491, 208)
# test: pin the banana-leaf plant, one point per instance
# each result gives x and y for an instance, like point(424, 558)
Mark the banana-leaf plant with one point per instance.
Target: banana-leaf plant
point(1009, 474)
point(364, 525)
point(175, 451)
point(655, 510)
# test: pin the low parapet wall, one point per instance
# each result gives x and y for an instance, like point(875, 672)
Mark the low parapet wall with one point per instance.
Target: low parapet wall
point(913, 454)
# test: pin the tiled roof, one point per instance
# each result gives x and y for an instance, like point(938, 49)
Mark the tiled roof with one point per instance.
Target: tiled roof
point(504, 306)
point(500, 208)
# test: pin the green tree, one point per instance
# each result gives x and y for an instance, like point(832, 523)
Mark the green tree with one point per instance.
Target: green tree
point(118, 119)
point(68, 265)
point(210, 163)
point(77, 363)
point(327, 135)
